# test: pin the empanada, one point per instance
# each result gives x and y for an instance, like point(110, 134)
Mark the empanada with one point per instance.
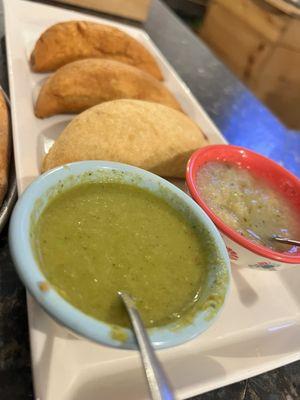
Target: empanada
point(74, 40)
point(145, 134)
point(82, 84)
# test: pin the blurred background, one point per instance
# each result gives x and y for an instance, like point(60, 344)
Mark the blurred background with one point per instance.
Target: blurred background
point(259, 40)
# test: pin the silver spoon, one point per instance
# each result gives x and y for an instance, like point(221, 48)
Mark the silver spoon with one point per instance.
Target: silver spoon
point(158, 383)
point(286, 240)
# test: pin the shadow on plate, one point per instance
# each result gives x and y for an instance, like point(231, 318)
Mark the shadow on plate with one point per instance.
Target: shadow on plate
point(290, 279)
point(119, 380)
point(50, 333)
point(42, 322)
point(37, 87)
point(265, 342)
point(48, 136)
point(26, 181)
point(245, 291)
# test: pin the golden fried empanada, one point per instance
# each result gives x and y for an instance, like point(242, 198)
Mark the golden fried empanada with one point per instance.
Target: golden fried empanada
point(75, 40)
point(82, 84)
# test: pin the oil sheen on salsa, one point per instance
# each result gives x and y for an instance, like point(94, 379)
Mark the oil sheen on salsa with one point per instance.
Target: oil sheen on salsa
point(98, 238)
point(246, 204)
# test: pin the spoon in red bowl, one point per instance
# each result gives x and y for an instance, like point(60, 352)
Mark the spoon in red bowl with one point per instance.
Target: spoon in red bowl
point(158, 383)
point(286, 240)
point(277, 238)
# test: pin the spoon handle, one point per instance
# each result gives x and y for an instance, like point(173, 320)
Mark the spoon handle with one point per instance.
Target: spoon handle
point(287, 241)
point(157, 380)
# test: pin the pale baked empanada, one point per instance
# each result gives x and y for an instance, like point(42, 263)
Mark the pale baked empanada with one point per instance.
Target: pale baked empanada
point(145, 134)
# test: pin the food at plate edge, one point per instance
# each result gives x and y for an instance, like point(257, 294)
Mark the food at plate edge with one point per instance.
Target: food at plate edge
point(247, 204)
point(82, 84)
point(114, 236)
point(4, 147)
point(144, 134)
point(69, 41)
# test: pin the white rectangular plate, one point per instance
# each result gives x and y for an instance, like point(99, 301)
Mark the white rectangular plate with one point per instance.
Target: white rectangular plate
point(260, 326)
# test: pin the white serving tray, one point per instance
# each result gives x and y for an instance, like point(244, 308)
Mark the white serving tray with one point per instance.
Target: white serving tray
point(260, 326)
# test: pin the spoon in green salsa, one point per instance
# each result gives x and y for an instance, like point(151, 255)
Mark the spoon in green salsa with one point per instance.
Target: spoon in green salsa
point(157, 380)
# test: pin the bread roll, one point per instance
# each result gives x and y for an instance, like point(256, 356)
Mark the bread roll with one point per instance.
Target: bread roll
point(82, 84)
point(74, 40)
point(145, 134)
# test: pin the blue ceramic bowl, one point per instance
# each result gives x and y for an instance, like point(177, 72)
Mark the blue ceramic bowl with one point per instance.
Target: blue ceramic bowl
point(31, 204)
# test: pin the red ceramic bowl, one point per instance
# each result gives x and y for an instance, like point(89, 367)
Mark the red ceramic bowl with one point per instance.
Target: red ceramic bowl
point(242, 250)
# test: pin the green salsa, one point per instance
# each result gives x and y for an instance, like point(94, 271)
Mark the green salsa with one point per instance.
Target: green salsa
point(95, 239)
